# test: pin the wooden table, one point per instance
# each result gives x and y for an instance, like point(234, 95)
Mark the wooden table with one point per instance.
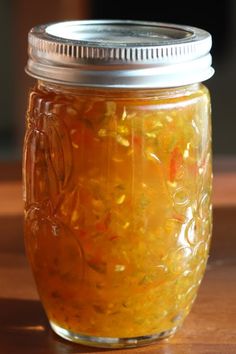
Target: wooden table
point(210, 327)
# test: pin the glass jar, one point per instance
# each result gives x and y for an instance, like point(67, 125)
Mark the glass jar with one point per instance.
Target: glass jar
point(117, 177)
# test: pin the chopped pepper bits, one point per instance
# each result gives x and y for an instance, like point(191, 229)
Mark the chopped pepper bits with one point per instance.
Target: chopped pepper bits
point(118, 189)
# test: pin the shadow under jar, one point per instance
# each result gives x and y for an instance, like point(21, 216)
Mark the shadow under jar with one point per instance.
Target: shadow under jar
point(117, 177)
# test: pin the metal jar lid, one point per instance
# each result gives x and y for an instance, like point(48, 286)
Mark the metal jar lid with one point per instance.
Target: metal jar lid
point(119, 54)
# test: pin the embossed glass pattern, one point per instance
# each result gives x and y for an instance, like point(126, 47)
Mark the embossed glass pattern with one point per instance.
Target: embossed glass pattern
point(117, 208)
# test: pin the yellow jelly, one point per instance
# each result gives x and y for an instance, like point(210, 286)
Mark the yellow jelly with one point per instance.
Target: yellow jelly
point(117, 211)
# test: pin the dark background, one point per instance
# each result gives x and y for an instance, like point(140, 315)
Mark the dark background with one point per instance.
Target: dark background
point(18, 16)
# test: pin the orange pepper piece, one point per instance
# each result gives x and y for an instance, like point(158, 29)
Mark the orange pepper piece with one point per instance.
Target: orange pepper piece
point(176, 161)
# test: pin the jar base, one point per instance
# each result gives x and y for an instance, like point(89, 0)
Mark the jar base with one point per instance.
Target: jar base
point(110, 342)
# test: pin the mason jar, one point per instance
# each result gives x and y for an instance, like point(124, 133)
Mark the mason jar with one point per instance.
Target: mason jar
point(117, 177)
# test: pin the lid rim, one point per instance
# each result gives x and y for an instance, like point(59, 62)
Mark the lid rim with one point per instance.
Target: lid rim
point(49, 53)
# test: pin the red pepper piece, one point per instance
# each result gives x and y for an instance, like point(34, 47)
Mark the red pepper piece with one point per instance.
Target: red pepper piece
point(137, 140)
point(176, 161)
point(101, 226)
point(113, 238)
point(83, 233)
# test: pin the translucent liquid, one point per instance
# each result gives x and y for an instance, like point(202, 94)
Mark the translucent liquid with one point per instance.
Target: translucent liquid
point(117, 208)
